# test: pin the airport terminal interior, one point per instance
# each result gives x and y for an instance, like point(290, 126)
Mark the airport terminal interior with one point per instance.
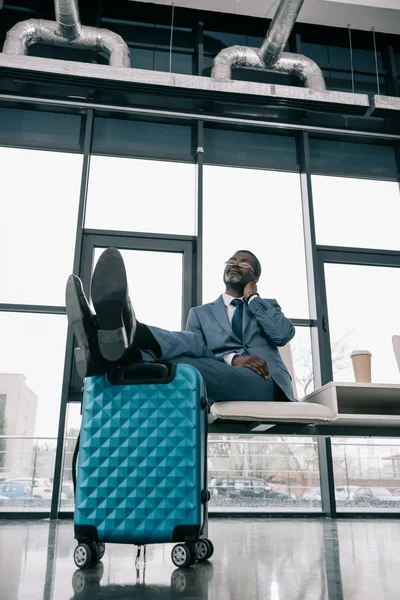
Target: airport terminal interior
point(181, 133)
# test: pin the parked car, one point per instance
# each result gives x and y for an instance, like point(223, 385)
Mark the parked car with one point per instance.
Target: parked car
point(312, 494)
point(242, 487)
point(41, 487)
point(375, 494)
point(15, 489)
point(341, 493)
point(67, 490)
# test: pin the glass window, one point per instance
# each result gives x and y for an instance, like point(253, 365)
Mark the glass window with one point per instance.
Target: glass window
point(352, 159)
point(302, 362)
point(337, 57)
point(37, 224)
point(263, 473)
point(368, 471)
point(71, 434)
point(150, 45)
point(32, 351)
point(246, 148)
point(258, 211)
point(127, 137)
point(41, 129)
point(364, 83)
point(360, 213)
point(141, 195)
point(397, 61)
point(160, 60)
point(363, 308)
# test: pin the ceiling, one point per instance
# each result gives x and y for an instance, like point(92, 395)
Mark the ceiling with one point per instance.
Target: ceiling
point(382, 15)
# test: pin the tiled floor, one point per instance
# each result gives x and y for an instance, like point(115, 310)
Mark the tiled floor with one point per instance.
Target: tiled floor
point(291, 559)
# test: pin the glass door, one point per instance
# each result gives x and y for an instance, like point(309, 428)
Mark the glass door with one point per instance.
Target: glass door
point(160, 276)
point(362, 311)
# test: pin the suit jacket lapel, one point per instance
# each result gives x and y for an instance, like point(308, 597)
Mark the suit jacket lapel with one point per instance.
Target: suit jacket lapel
point(218, 310)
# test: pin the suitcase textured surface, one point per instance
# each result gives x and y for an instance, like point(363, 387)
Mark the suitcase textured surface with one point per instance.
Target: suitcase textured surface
point(141, 468)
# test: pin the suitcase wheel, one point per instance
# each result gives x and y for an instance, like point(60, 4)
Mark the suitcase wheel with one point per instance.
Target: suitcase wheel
point(183, 555)
point(86, 555)
point(102, 549)
point(204, 549)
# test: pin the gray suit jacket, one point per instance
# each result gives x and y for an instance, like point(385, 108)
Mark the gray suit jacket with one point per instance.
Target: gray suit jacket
point(265, 327)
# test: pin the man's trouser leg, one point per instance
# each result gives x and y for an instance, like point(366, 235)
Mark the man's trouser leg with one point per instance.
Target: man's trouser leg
point(223, 381)
point(178, 343)
point(232, 383)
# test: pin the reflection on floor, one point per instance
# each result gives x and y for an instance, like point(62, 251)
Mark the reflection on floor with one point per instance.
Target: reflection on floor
point(277, 559)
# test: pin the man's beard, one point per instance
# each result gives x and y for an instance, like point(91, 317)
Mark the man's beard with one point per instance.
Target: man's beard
point(234, 280)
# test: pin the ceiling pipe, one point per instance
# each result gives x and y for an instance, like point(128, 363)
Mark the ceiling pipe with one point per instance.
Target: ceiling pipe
point(244, 57)
point(67, 31)
point(270, 56)
point(279, 31)
point(67, 17)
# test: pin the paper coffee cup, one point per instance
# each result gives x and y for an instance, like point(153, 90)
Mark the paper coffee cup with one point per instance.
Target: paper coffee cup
point(361, 365)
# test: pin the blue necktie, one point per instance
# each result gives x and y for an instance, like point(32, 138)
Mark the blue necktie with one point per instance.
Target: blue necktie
point(237, 321)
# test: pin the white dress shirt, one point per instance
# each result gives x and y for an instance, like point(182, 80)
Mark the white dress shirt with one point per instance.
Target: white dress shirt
point(230, 311)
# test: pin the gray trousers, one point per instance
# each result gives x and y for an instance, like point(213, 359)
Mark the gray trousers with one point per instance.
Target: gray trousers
point(223, 381)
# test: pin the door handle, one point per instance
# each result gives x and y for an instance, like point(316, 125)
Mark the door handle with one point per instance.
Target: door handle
point(324, 324)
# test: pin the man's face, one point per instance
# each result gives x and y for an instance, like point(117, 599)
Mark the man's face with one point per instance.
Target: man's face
point(239, 270)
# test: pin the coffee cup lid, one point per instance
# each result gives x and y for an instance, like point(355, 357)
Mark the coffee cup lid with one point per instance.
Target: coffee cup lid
point(356, 352)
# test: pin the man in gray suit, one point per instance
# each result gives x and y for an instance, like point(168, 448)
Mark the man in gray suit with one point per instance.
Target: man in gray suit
point(233, 341)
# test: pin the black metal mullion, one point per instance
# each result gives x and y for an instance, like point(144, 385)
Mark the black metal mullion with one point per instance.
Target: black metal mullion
point(187, 283)
point(193, 116)
point(58, 463)
point(87, 149)
point(33, 308)
point(326, 476)
point(357, 256)
point(199, 246)
point(317, 307)
point(103, 233)
point(303, 322)
point(134, 242)
point(314, 295)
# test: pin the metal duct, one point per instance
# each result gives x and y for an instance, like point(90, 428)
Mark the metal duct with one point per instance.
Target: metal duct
point(302, 67)
point(279, 30)
point(67, 17)
point(244, 57)
point(270, 57)
point(37, 31)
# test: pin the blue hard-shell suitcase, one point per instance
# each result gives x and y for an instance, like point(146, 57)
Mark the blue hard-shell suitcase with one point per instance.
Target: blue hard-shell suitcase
point(142, 462)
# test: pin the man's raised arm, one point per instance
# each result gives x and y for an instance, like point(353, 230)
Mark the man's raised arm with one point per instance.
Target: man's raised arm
point(272, 321)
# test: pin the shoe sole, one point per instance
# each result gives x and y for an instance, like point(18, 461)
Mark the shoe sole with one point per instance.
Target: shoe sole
point(73, 300)
point(109, 290)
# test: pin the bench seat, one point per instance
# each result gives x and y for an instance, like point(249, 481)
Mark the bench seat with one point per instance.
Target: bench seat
point(276, 412)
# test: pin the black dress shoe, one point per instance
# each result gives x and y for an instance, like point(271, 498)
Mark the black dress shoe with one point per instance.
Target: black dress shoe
point(115, 315)
point(83, 322)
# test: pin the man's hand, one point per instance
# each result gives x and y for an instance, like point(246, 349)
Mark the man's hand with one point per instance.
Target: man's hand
point(249, 289)
point(255, 363)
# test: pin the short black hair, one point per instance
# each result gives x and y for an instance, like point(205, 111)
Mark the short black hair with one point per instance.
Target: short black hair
point(257, 269)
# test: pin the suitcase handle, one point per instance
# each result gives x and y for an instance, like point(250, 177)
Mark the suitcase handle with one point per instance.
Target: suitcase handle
point(143, 373)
